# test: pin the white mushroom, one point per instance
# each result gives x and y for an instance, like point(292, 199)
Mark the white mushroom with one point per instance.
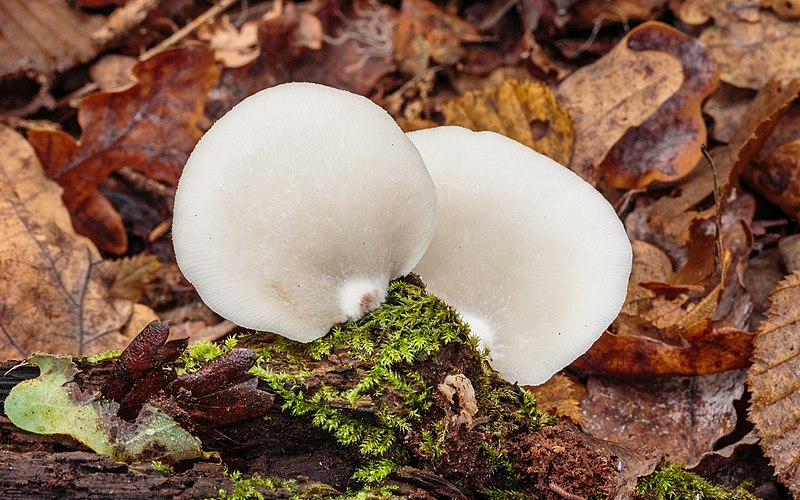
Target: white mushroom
point(534, 258)
point(298, 206)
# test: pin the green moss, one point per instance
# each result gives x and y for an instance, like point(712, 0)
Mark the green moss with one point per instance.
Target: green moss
point(384, 369)
point(247, 488)
point(386, 344)
point(672, 481)
point(102, 356)
point(201, 352)
point(165, 470)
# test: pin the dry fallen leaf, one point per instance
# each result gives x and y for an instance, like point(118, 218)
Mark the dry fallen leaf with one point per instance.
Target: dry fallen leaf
point(44, 36)
point(727, 107)
point(774, 384)
point(642, 82)
point(752, 52)
point(673, 216)
point(560, 395)
point(426, 32)
point(526, 112)
point(132, 276)
point(343, 46)
point(113, 71)
point(55, 286)
point(149, 126)
point(232, 47)
point(666, 146)
point(704, 348)
point(777, 178)
point(683, 416)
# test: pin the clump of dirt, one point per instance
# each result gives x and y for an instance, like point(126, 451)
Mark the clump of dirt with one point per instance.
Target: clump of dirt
point(560, 463)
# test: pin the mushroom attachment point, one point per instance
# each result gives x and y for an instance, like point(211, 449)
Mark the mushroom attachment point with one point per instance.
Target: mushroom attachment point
point(298, 206)
point(534, 258)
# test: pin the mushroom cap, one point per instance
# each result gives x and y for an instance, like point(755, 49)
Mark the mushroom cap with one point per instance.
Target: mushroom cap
point(532, 256)
point(298, 206)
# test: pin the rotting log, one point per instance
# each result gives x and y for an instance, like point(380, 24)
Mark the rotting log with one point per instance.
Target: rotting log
point(403, 398)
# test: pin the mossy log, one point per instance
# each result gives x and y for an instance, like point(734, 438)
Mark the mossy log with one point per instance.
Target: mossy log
point(401, 403)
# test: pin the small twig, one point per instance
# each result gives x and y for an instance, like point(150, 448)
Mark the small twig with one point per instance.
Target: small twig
point(182, 33)
point(717, 207)
point(564, 493)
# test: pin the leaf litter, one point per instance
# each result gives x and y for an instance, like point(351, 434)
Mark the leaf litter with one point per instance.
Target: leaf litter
point(690, 313)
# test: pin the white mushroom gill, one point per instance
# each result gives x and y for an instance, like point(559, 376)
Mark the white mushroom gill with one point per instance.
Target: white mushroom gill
point(535, 257)
point(298, 206)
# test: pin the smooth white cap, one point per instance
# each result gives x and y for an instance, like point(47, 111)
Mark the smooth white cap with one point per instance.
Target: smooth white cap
point(298, 206)
point(532, 256)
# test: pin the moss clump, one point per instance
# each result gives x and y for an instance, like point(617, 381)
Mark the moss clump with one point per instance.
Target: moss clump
point(250, 488)
point(201, 352)
point(671, 481)
point(102, 356)
point(372, 383)
point(164, 469)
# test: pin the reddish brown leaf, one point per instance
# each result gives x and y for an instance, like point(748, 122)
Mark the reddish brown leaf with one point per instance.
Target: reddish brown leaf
point(707, 349)
point(221, 392)
point(667, 145)
point(683, 416)
point(138, 374)
point(150, 126)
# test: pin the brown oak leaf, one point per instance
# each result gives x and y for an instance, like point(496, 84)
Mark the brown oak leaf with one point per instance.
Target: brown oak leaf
point(641, 81)
point(150, 126)
point(666, 146)
point(55, 286)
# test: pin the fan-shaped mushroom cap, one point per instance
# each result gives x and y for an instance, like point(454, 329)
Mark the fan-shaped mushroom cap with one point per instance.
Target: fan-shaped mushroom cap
point(534, 258)
point(298, 206)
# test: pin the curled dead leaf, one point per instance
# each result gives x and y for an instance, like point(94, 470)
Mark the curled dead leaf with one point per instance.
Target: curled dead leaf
point(232, 47)
point(666, 146)
point(524, 111)
point(773, 382)
point(672, 216)
point(777, 178)
point(643, 81)
point(219, 393)
point(150, 126)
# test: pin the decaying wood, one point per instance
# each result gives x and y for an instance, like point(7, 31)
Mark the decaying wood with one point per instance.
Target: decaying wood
point(288, 446)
